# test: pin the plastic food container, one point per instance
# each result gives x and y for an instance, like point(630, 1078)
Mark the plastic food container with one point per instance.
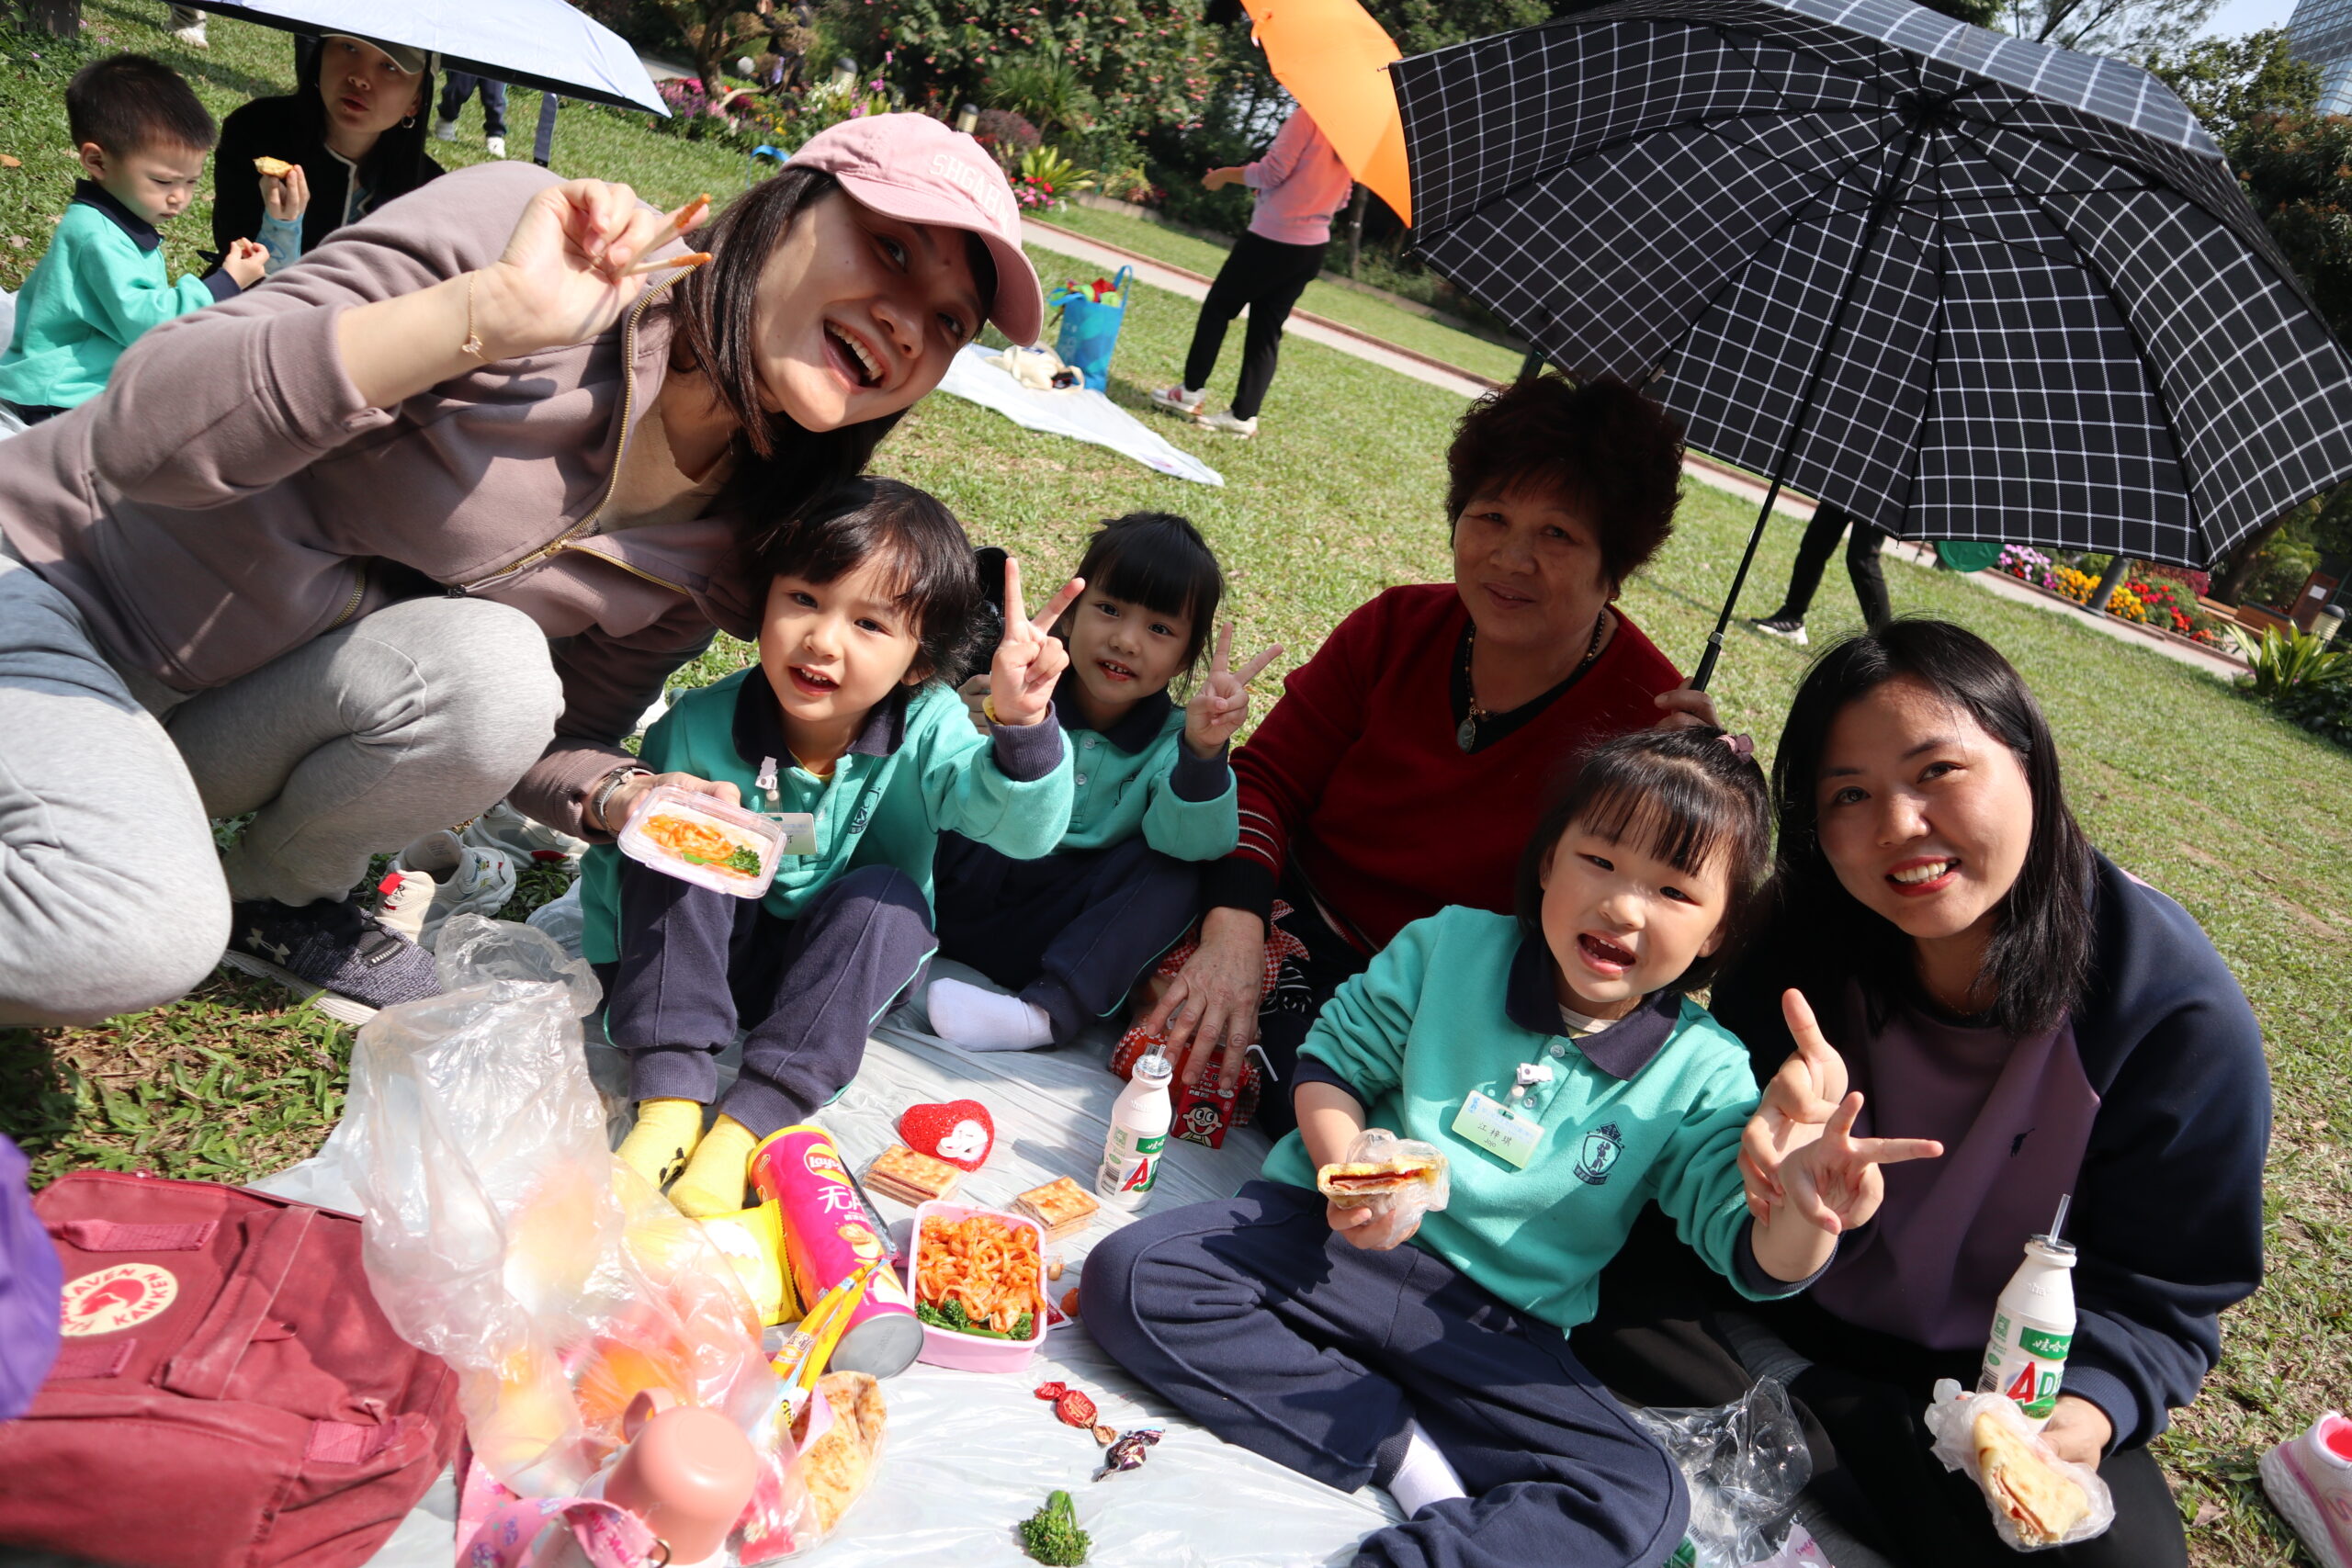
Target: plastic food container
point(702, 840)
point(973, 1352)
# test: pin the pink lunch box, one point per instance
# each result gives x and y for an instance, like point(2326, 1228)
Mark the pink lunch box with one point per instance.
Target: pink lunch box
point(971, 1353)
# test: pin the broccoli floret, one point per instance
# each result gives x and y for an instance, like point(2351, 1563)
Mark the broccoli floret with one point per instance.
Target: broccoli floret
point(746, 861)
point(1051, 1535)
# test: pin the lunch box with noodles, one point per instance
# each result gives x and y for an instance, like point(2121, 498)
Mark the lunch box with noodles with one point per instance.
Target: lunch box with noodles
point(973, 1352)
point(752, 844)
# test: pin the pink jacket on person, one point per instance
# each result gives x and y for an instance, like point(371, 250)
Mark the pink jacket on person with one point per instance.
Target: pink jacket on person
point(230, 496)
point(1300, 183)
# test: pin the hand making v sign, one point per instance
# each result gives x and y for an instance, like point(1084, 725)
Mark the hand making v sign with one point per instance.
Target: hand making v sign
point(1030, 659)
point(1217, 709)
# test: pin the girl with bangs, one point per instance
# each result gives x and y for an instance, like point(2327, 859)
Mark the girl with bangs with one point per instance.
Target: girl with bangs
point(1556, 1060)
point(1154, 798)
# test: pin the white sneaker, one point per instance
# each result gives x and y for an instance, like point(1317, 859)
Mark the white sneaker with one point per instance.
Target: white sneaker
point(2309, 1478)
point(403, 899)
point(467, 878)
point(1227, 425)
point(445, 130)
point(193, 35)
point(504, 828)
point(494, 145)
point(1186, 400)
point(1779, 626)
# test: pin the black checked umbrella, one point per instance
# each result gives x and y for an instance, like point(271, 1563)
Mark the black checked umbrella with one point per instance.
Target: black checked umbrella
point(1965, 286)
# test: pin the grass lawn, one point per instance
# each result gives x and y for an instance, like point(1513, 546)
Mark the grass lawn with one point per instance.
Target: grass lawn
point(2240, 816)
point(1361, 312)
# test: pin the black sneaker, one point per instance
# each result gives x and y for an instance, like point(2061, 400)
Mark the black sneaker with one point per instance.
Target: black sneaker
point(1782, 626)
point(333, 950)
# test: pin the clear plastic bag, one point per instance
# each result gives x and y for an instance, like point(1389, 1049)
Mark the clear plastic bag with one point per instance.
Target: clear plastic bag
point(563, 919)
point(1745, 1464)
point(1396, 1215)
point(1952, 1417)
point(502, 1235)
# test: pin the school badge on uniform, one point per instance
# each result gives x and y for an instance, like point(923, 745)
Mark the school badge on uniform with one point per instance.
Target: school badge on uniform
point(1596, 1155)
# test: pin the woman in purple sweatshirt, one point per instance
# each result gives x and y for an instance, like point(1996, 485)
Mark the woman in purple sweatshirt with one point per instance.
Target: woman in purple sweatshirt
point(428, 519)
point(1988, 979)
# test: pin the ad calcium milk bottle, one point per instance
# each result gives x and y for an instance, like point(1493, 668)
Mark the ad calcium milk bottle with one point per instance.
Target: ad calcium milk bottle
point(1139, 1122)
point(2033, 1325)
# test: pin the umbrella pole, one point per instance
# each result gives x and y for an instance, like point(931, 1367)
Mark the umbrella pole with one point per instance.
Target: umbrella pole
point(1880, 205)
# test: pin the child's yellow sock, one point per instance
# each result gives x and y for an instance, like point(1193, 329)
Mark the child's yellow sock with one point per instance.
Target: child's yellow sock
point(666, 1132)
point(716, 1175)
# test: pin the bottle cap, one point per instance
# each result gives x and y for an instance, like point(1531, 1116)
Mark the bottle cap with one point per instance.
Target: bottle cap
point(1153, 1064)
point(687, 1473)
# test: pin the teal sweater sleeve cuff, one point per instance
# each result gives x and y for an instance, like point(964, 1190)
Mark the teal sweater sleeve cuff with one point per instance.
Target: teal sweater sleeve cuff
point(1195, 780)
point(1753, 1280)
point(1025, 753)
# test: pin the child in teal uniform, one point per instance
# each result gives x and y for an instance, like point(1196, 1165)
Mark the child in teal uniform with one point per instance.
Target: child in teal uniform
point(142, 139)
point(871, 594)
point(1558, 1062)
point(1153, 794)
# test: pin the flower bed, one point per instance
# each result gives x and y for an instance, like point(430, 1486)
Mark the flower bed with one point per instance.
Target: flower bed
point(2162, 603)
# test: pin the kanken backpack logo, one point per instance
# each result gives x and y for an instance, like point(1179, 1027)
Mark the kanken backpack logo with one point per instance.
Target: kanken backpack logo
point(225, 1367)
point(119, 1297)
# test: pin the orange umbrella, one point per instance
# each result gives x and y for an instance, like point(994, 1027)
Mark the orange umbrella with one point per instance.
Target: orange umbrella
point(1334, 60)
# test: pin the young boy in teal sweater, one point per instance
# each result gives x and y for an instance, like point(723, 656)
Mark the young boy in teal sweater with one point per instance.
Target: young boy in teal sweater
point(141, 138)
point(1556, 1062)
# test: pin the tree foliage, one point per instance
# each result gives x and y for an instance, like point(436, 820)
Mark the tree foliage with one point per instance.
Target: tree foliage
point(2130, 30)
point(2230, 83)
point(1120, 64)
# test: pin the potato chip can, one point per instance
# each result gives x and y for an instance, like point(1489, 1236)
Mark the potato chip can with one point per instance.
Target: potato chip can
point(827, 1235)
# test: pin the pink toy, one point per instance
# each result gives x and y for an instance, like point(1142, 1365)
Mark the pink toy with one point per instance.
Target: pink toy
point(961, 1131)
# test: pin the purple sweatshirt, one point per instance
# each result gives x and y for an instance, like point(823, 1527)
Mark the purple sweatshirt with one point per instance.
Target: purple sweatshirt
point(1300, 183)
point(2154, 1095)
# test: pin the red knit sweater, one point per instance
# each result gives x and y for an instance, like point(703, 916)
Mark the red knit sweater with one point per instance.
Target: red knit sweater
point(1357, 774)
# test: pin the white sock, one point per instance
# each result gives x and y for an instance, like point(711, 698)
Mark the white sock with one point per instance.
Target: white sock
point(1424, 1477)
point(981, 1020)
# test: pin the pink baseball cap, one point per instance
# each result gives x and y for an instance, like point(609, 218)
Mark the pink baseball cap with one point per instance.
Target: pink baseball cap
point(913, 167)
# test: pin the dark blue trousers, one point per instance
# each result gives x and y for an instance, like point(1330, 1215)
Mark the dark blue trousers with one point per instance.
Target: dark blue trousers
point(459, 87)
point(1261, 1324)
point(696, 964)
point(1074, 931)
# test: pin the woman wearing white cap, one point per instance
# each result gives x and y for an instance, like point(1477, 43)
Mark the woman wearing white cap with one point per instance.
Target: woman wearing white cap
point(354, 133)
point(436, 511)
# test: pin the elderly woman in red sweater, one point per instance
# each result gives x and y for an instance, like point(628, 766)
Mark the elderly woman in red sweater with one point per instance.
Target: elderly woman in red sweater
point(1407, 761)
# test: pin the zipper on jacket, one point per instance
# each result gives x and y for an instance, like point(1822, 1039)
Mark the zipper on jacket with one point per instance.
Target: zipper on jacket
point(620, 455)
point(358, 592)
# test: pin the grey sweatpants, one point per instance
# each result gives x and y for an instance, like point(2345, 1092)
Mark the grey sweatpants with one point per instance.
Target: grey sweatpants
point(112, 896)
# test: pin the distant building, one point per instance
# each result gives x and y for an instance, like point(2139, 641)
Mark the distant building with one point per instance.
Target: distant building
point(2321, 32)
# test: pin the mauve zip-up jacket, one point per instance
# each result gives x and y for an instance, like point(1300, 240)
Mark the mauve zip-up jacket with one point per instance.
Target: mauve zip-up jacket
point(231, 496)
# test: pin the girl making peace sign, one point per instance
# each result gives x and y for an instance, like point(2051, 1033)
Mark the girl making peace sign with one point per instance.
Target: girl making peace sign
point(871, 594)
point(1153, 797)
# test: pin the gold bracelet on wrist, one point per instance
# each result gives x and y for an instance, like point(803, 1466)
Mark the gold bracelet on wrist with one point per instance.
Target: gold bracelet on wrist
point(473, 345)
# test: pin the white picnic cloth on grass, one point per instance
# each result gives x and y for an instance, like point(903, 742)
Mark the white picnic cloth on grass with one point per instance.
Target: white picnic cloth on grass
point(1082, 415)
point(971, 1454)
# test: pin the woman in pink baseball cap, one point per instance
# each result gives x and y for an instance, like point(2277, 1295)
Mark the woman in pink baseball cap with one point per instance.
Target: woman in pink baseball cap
point(426, 520)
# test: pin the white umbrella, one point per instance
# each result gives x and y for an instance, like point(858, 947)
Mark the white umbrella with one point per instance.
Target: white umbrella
point(546, 44)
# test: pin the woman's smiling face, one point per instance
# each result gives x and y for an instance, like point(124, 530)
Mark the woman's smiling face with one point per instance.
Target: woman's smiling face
point(859, 313)
point(1527, 564)
point(1926, 817)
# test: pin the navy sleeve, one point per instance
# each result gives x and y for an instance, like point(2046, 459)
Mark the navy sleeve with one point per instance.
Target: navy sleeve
point(2168, 1207)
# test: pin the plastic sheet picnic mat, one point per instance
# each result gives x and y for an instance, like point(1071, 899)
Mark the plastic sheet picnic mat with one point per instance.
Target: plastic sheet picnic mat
point(971, 1454)
point(1080, 414)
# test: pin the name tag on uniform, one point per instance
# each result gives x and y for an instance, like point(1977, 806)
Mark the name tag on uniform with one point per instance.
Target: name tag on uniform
point(799, 831)
point(1495, 1127)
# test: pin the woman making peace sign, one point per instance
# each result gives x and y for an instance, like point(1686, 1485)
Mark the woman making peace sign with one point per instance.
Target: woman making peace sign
point(437, 510)
point(1154, 798)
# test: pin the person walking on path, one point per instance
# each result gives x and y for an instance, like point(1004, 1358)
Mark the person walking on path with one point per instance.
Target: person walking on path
point(453, 93)
point(1300, 183)
point(1813, 554)
point(437, 510)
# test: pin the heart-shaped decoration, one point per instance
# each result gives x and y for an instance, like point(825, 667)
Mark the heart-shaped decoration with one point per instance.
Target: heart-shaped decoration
point(961, 1131)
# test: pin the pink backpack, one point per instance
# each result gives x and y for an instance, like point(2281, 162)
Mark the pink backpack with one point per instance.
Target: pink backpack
point(227, 1393)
